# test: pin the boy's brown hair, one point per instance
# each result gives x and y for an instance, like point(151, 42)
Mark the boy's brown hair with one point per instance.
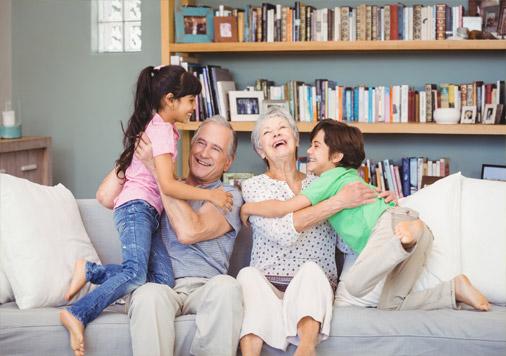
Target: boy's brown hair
point(344, 139)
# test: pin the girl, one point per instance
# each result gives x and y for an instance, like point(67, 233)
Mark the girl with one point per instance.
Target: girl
point(164, 96)
point(392, 242)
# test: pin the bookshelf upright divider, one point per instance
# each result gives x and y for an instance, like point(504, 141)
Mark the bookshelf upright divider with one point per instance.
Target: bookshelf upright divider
point(169, 46)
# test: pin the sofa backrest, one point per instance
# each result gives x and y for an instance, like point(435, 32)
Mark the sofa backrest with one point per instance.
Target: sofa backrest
point(99, 224)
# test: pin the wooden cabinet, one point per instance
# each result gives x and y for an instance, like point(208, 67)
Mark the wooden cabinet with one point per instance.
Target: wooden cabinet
point(27, 157)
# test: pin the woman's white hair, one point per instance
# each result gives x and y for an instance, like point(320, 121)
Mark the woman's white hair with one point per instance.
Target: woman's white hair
point(275, 112)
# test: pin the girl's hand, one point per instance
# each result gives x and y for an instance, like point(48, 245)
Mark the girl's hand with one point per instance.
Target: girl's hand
point(353, 195)
point(221, 199)
point(244, 215)
point(388, 195)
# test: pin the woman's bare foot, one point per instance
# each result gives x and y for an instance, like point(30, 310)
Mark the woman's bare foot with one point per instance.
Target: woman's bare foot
point(466, 293)
point(78, 279)
point(305, 350)
point(409, 232)
point(76, 331)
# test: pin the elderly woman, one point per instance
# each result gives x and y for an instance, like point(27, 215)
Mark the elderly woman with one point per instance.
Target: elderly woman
point(288, 288)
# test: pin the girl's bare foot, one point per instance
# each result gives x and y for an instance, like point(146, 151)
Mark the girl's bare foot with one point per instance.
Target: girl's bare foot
point(466, 293)
point(305, 350)
point(78, 279)
point(76, 331)
point(409, 232)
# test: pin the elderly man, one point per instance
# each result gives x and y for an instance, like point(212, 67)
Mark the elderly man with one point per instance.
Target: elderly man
point(199, 238)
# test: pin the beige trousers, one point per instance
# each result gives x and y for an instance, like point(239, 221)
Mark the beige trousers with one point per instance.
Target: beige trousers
point(384, 256)
point(273, 315)
point(217, 303)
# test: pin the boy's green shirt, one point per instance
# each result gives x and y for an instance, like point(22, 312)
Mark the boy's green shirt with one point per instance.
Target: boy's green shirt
point(354, 225)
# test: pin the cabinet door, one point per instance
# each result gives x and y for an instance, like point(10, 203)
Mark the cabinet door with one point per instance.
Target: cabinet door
point(8, 163)
point(29, 165)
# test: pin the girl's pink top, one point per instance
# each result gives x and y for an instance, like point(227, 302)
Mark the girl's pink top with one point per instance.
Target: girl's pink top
point(140, 183)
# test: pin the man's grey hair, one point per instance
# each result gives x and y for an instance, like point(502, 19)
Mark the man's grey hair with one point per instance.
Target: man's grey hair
point(220, 120)
point(275, 112)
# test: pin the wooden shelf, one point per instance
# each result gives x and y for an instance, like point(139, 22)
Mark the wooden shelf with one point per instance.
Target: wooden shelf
point(381, 128)
point(340, 46)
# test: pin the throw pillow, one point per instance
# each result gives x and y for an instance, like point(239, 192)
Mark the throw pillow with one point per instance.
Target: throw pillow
point(42, 235)
point(484, 236)
point(6, 294)
point(439, 207)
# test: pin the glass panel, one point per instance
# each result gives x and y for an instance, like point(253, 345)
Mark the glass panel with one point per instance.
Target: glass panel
point(110, 37)
point(133, 39)
point(132, 10)
point(110, 10)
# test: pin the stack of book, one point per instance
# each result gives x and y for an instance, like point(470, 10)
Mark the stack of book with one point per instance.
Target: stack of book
point(300, 22)
point(216, 83)
point(404, 178)
point(391, 104)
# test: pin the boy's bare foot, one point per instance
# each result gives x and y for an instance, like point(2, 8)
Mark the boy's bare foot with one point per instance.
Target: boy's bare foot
point(409, 232)
point(76, 331)
point(78, 279)
point(466, 293)
point(305, 350)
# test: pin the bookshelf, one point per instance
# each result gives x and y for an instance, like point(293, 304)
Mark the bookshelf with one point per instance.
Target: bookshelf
point(251, 49)
point(341, 46)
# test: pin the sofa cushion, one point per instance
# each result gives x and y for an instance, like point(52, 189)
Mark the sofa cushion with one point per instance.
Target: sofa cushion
point(439, 207)
point(99, 224)
point(42, 235)
point(6, 293)
point(483, 243)
point(369, 331)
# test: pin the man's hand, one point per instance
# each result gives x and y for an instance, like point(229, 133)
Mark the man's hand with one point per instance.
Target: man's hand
point(388, 195)
point(144, 152)
point(353, 195)
point(221, 199)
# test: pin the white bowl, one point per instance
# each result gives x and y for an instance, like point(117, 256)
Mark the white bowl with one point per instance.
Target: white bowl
point(447, 116)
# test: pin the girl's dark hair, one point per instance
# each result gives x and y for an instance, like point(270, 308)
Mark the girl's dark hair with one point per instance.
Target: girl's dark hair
point(344, 139)
point(153, 84)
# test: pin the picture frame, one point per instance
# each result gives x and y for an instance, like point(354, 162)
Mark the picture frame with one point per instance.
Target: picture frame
point(489, 114)
point(194, 25)
point(225, 29)
point(493, 172)
point(269, 104)
point(235, 178)
point(468, 115)
point(490, 16)
point(501, 27)
point(245, 105)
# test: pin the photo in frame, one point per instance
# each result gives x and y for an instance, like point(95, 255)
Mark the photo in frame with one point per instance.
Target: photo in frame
point(269, 104)
point(468, 115)
point(194, 25)
point(493, 172)
point(245, 105)
point(489, 114)
point(501, 28)
point(225, 29)
point(236, 179)
point(490, 16)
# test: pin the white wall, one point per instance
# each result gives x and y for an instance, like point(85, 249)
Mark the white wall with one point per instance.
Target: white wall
point(5, 52)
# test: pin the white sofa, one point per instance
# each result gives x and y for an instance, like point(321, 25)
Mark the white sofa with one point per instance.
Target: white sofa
point(354, 331)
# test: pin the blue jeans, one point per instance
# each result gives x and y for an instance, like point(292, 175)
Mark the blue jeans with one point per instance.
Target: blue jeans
point(136, 222)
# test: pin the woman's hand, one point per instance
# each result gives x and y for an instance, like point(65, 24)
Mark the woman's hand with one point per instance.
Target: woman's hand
point(144, 152)
point(244, 215)
point(353, 195)
point(388, 195)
